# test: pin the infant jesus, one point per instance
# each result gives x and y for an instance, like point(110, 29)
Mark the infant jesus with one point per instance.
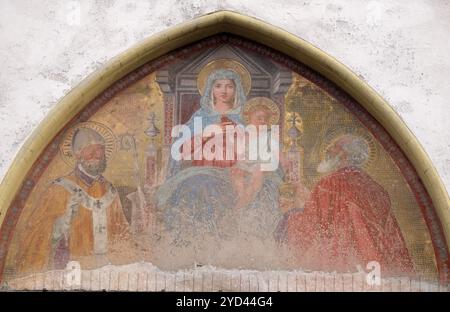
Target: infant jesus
point(246, 175)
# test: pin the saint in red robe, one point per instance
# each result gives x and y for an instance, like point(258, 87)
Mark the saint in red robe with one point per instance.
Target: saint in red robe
point(347, 221)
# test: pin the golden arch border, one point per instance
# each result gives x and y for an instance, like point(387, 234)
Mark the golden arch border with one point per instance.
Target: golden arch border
point(249, 28)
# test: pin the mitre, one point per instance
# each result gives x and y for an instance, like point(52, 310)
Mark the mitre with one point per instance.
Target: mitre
point(84, 137)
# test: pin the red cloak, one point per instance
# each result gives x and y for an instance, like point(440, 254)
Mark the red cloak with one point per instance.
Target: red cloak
point(347, 221)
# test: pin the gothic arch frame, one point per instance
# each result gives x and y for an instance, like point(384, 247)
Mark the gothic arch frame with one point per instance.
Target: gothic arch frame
point(247, 27)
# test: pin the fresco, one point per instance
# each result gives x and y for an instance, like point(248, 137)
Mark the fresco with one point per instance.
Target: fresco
point(334, 194)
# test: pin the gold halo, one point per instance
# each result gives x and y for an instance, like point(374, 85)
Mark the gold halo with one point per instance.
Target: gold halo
point(230, 64)
point(332, 136)
point(262, 101)
point(66, 146)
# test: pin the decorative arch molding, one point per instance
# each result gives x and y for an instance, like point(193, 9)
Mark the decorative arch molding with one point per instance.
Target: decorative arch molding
point(96, 85)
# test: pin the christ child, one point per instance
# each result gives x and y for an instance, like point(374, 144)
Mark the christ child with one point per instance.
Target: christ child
point(246, 175)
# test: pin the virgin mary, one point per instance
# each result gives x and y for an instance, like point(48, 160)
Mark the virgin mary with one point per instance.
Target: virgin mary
point(197, 193)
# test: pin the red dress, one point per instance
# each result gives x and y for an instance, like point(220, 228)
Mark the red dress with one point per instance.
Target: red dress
point(221, 163)
point(348, 221)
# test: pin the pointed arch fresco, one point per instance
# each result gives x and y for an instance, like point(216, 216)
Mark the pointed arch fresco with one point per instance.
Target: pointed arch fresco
point(129, 108)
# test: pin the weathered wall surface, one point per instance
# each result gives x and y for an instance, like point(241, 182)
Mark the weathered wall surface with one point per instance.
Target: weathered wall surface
point(400, 48)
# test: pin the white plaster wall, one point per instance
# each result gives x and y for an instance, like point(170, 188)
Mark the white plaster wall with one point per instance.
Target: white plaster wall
point(399, 47)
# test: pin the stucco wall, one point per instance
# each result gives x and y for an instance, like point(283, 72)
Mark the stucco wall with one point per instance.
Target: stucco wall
point(399, 47)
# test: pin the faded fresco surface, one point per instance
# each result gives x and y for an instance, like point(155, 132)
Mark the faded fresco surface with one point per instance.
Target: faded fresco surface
point(110, 194)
